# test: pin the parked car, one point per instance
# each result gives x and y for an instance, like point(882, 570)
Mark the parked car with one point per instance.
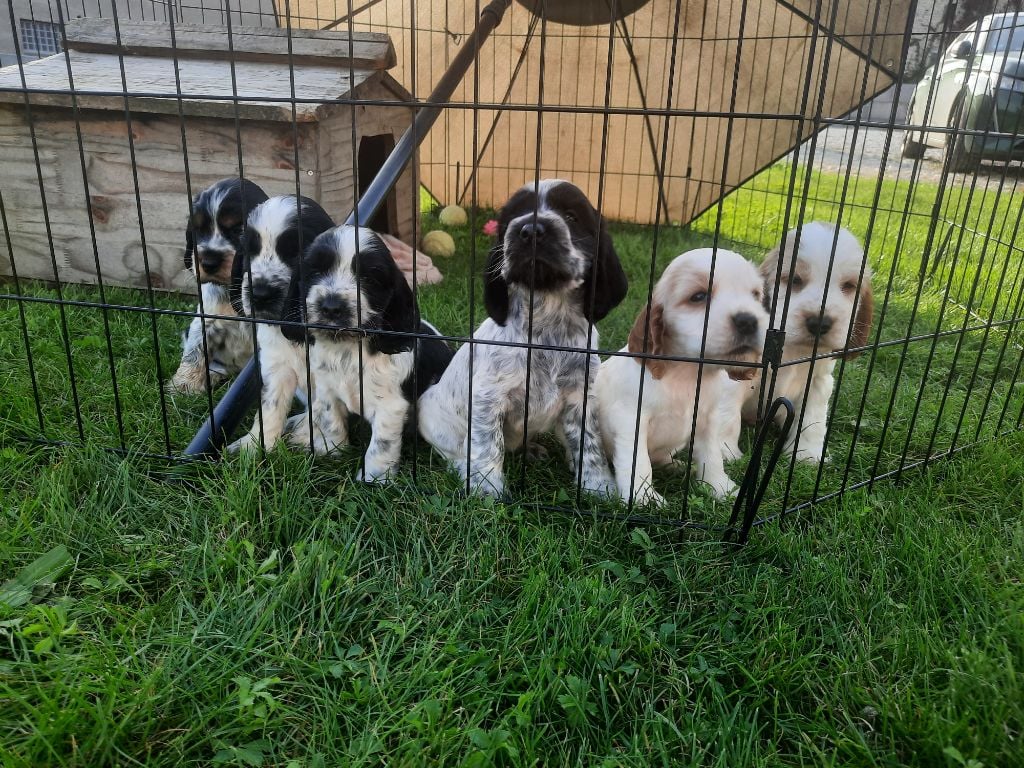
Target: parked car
point(977, 85)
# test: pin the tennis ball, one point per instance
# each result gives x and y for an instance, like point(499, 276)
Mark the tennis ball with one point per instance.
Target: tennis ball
point(453, 216)
point(438, 244)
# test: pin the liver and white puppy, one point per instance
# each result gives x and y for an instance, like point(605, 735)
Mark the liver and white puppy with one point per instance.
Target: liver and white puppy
point(212, 236)
point(736, 323)
point(553, 242)
point(819, 277)
point(353, 291)
point(277, 233)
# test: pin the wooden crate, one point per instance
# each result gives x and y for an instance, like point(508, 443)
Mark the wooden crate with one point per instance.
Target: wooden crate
point(99, 163)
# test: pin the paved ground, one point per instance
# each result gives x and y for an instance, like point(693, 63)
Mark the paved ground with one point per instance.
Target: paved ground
point(836, 144)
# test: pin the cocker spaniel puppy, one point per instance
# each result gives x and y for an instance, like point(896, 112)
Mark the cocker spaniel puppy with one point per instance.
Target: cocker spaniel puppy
point(830, 307)
point(551, 275)
point(736, 323)
point(277, 233)
point(214, 349)
point(356, 302)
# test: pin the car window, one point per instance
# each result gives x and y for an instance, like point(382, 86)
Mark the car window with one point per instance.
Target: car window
point(1006, 38)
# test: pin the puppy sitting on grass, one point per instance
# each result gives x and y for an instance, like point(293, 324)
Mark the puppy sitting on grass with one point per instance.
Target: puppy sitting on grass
point(662, 392)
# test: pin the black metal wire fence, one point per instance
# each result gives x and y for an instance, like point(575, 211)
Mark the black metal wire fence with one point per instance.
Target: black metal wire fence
point(687, 124)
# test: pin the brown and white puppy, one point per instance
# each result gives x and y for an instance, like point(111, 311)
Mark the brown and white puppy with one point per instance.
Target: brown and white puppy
point(736, 322)
point(215, 348)
point(830, 311)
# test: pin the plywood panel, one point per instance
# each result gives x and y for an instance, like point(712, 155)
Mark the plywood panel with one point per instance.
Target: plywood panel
point(210, 149)
point(763, 62)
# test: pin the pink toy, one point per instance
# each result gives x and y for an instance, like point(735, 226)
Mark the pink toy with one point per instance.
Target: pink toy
point(491, 228)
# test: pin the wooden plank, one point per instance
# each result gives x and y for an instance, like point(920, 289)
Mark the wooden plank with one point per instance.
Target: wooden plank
point(363, 50)
point(206, 86)
point(268, 151)
point(338, 184)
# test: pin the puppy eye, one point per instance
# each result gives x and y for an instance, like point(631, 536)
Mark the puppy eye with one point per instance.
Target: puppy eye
point(797, 282)
point(569, 216)
point(849, 286)
point(756, 295)
point(699, 297)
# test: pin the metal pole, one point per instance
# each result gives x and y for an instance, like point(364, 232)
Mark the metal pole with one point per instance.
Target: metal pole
point(244, 390)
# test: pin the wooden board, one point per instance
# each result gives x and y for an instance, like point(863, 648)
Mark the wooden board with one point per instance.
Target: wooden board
point(268, 156)
point(206, 86)
point(769, 49)
point(368, 50)
point(338, 185)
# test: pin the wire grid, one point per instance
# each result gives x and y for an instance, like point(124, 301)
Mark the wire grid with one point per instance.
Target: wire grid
point(941, 371)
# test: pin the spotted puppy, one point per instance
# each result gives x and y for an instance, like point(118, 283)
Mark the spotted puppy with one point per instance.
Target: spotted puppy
point(642, 429)
point(215, 348)
point(551, 243)
point(357, 301)
point(276, 234)
point(830, 310)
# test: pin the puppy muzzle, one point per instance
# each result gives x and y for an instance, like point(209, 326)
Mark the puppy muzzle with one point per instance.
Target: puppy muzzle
point(214, 266)
point(265, 298)
point(336, 317)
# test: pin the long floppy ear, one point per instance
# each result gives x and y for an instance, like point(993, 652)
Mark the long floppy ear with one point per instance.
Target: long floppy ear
point(769, 270)
point(310, 221)
point(293, 305)
point(862, 322)
point(237, 278)
point(495, 287)
point(606, 281)
point(398, 312)
point(252, 194)
point(190, 245)
point(655, 332)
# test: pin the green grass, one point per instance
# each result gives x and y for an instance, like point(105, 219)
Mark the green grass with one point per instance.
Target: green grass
point(921, 398)
point(276, 612)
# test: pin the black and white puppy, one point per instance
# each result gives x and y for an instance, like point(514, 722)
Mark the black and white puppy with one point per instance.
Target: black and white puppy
point(353, 290)
point(276, 234)
point(553, 244)
point(214, 349)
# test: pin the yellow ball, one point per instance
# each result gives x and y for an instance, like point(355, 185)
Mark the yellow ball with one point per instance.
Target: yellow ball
point(453, 216)
point(438, 244)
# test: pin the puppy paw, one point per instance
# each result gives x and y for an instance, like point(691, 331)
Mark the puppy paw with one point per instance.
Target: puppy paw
point(248, 443)
point(646, 496)
point(809, 456)
point(487, 485)
point(192, 380)
point(600, 485)
point(731, 451)
point(535, 452)
point(377, 474)
point(722, 488)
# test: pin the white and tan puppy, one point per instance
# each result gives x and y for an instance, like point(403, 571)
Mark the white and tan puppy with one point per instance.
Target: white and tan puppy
point(831, 306)
point(736, 322)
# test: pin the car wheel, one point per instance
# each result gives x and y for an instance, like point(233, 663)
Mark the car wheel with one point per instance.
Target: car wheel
point(957, 158)
point(910, 149)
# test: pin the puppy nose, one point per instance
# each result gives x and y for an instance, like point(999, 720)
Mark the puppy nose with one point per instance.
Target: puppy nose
point(532, 230)
point(333, 305)
point(261, 291)
point(818, 325)
point(211, 260)
point(745, 323)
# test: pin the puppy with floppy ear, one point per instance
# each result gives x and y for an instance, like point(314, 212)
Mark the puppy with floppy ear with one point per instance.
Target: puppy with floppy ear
point(827, 282)
point(277, 233)
point(215, 348)
point(554, 272)
point(736, 322)
point(358, 304)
